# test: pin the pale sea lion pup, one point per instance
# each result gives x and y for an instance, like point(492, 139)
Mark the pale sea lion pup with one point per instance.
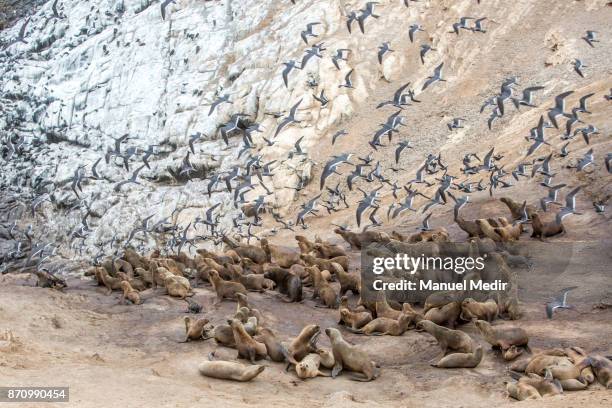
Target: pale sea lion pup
point(461, 360)
point(309, 367)
point(349, 357)
point(448, 340)
point(130, 293)
point(194, 329)
point(327, 358)
point(229, 370)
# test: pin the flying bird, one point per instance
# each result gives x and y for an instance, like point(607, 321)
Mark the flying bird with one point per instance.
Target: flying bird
point(165, 4)
point(437, 76)
point(559, 302)
point(289, 119)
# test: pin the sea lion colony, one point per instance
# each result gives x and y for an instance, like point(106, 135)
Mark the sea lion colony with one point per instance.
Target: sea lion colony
point(229, 275)
point(324, 268)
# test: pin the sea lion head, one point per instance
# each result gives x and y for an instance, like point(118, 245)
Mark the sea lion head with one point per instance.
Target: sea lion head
point(333, 333)
point(424, 325)
point(344, 313)
point(208, 332)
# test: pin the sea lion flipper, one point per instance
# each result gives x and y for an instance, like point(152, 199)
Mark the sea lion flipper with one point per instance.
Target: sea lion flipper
point(337, 369)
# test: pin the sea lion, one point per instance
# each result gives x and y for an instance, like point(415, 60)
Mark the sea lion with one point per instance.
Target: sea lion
point(578, 356)
point(225, 289)
point(561, 368)
point(286, 283)
point(516, 208)
point(223, 334)
point(348, 281)
point(470, 226)
point(546, 385)
point(359, 239)
point(439, 299)
point(502, 336)
point(250, 281)
point(194, 328)
point(251, 325)
point(461, 360)
point(448, 339)
point(325, 264)
point(328, 295)
point(472, 309)
point(488, 230)
point(383, 309)
point(349, 357)
point(230, 370)
point(304, 244)
point(509, 233)
point(446, 315)
point(274, 348)
point(135, 259)
point(136, 283)
point(254, 253)
point(328, 251)
point(130, 293)
point(602, 367)
point(308, 367)
point(355, 320)
point(439, 234)
point(544, 228)
point(248, 348)
point(384, 326)
point(302, 345)
point(281, 256)
point(521, 391)
point(108, 281)
point(327, 358)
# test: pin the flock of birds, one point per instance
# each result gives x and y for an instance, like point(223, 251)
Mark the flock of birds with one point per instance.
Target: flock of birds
point(242, 179)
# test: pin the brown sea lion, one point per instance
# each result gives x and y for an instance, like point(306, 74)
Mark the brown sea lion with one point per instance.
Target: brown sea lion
point(230, 370)
point(254, 253)
point(355, 320)
point(488, 230)
point(304, 244)
point(176, 286)
point(446, 315)
point(108, 281)
point(248, 348)
point(516, 208)
point(328, 295)
point(281, 256)
point(328, 251)
point(521, 391)
point(349, 357)
point(308, 367)
point(546, 385)
point(130, 293)
point(325, 264)
point(469, 226)
point(439, 299)
point(561, 368)
point(472, 309)
point(348, 281)
point(602, 367)
point(439, 234)
point(461, 360)
point(194, 328)
point(509, 233)
point(274, 348)
point(448, 339)
point(136, 283)
point(543, 229)
point(384, 326)
point(302, 345)
point(286, 283)
point(578, 356)
point(251, 281)
point(359, 239)
point(502, 336)
point(225, 289)
point(223, 334)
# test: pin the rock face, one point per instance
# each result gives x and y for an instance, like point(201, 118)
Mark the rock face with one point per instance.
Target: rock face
point(103, 69)
point(78, 76)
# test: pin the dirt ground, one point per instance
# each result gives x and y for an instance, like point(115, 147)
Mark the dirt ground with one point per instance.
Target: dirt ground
point(111, 354)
